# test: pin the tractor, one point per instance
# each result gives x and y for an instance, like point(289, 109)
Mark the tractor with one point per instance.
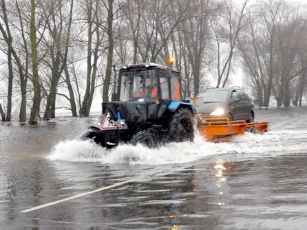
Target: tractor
point(146, 108)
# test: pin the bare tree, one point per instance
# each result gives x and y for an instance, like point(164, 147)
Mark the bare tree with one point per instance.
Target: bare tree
point(132, 11)
point(302, 80)
point(194, 31)
point(9, 62)
point(108, 74)
point(234, 26)
point(22, 69)
point(58, 48)
point(290, 34)
point(70, 89)
point(34, 116)
point(94, 40)
point(271, 48)
point(256, 48)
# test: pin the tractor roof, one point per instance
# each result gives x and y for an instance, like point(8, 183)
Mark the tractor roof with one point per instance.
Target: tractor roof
point(148, 65)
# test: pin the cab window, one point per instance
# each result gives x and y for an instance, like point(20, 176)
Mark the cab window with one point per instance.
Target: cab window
point(151, 90)
point(138, 86)
point(164, 83)
point(175, 85)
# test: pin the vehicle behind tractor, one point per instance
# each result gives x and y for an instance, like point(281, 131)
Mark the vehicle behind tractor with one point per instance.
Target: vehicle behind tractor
point(146, 108)
point(226, 112)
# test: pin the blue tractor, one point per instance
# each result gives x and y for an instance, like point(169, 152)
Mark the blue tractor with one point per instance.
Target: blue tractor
point(146, 109)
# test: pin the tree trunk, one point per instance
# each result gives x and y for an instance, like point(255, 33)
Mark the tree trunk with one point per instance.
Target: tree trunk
point(301, 99)
point(280, 95)
point(8, 39)
point(54, 86)
point(50, 105)
point(196, 80)
point(301, 93)
point(71, 93)
point(107, 79)
point(259, 93)
point(301, 83)
point(34, 116)
point(299, 90)
point(23, 71)
point(2, 113)
point(84, 110)
point(52, 108)
point(268, 90)
point(10, 85)
point(267, 93)
point(286, 98)
point(23, 104)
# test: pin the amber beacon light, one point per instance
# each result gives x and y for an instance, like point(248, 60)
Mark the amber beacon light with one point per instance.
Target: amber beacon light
point(170, 60)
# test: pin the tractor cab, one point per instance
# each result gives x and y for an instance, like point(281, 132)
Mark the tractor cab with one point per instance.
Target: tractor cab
point(148, 82)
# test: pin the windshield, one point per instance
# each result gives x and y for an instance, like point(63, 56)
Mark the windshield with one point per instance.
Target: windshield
point(138, 84)
point(214, 96)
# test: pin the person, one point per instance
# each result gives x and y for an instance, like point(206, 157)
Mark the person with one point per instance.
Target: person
point(151, 91)
point(138, 88)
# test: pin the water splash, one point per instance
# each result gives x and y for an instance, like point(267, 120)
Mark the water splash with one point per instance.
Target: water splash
point(274, 142)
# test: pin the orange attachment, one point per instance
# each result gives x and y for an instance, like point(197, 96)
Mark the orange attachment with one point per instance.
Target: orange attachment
point(222, 129)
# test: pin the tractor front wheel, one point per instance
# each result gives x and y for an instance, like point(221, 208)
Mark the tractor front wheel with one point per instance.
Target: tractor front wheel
point(144, 137)
point(181, 126)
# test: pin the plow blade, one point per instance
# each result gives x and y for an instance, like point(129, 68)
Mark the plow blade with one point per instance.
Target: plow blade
point(223, 129)
point(260, 127)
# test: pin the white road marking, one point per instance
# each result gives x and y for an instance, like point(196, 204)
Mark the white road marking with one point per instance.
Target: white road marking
point(77, 196)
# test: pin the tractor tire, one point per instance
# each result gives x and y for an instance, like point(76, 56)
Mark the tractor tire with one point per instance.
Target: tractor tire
point(98, 137)
point(144, 137)
point(94, 128)
point(91, 135)
point(250, 130)
point(181, 126)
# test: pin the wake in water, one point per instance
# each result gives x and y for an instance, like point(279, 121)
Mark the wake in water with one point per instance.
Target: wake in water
point(274, 142)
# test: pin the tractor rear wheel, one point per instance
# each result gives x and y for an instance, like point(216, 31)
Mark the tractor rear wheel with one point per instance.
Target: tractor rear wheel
point(181, 126)
point(144, 137)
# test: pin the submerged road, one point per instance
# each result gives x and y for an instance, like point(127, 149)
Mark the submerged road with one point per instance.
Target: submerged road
point(49, 179)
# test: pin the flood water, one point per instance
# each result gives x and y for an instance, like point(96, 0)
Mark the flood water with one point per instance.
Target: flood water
point(255, 182)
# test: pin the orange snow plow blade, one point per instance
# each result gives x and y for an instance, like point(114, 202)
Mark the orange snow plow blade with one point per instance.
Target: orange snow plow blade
point(222, 129)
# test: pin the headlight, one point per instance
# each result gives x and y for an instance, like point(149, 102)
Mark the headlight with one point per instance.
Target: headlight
point(218, 112)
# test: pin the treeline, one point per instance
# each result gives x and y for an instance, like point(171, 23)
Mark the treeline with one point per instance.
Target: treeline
point(59, 53)
point(273, 47)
